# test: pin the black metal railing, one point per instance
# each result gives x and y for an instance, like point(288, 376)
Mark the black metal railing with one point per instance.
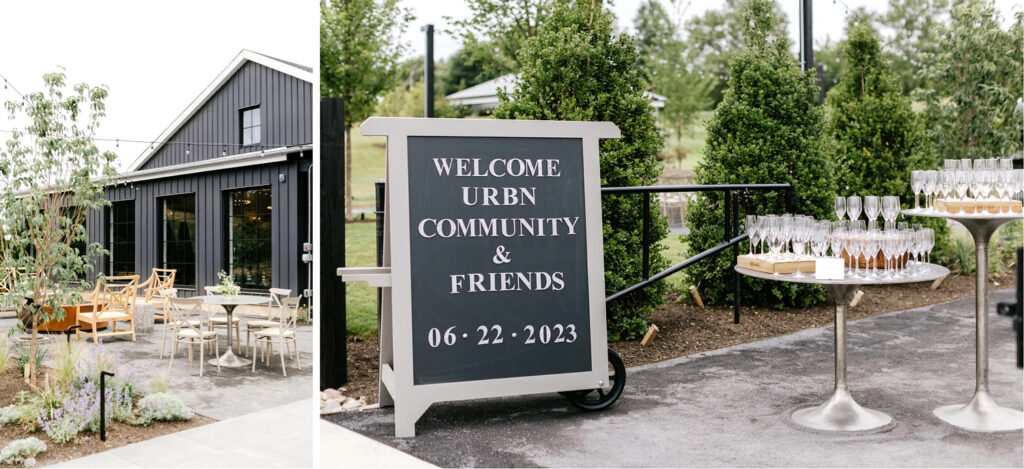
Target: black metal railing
point(733, 193)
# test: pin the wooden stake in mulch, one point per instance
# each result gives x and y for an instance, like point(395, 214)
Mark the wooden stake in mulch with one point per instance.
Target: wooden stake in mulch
point(856, 298)
point(653, 331)
point(696, 296)
point(937, 282)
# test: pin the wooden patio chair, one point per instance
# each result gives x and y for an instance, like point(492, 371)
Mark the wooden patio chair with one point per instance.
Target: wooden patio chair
point(276, 295)
point(114, 301)
point(187, 314)
point(159, 280)
point(282, 334)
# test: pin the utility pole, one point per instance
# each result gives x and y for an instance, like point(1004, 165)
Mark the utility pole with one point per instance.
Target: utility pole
point(428, 73)
point(807, 47)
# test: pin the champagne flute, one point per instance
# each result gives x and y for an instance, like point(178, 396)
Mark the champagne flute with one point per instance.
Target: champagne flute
point(840, 207)
point(871, 207)
point(931, 186)
point(752, 231)
point(916, 185)
point(853, 207)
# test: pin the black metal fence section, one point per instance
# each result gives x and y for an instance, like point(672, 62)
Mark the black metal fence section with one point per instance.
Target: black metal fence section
point(733, 193)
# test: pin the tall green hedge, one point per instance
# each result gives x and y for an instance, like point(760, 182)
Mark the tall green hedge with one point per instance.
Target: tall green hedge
point(577, 68)
point(767, 129)
point(878, 138)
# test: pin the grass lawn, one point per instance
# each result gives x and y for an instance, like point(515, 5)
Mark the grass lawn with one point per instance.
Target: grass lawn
point(361, 300)
point(368, 165)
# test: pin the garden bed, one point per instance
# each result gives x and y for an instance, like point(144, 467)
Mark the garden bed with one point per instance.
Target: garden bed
point(118, 434)
point(687, 329)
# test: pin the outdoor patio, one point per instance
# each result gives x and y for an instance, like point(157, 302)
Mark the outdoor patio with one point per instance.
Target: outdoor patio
point(231, 392)
point(731, 407)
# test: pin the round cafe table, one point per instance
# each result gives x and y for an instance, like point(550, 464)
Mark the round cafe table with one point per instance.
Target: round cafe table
point(981, 414)
point(841, 413)
point(229, 302)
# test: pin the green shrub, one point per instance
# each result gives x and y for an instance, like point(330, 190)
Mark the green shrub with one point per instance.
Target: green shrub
point(767, 129)
point(577, 68)
point(878, 137)
point(22, 451)
point(163, 407)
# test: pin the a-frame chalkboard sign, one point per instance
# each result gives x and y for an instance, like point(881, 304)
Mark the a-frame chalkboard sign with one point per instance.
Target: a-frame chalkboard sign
point(494, 274)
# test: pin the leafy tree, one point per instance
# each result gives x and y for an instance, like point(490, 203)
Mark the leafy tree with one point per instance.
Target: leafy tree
point(359, 51)
point(716, 36)
point(917, 27)
point(767, 129)
point(827, 54)
point(576, 68)
point(507, 24)
point(51, 176)
point(472, 64)
point(973, 110)
point(878, 137)
point(662, 56)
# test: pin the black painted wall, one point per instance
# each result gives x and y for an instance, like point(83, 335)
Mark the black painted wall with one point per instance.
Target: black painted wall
point(286, 109)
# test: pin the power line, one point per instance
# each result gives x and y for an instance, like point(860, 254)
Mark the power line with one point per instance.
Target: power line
point(8, 84)
point(117, 141)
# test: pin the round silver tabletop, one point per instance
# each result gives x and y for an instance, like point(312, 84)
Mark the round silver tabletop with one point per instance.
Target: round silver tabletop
point(921, 273)
point(236, 300)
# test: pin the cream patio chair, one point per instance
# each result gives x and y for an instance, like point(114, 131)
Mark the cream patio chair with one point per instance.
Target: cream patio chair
point(283, 333)
point(276, 294)
point(113, 300)
point(169, 325)
point(188, 314)
point(220, 319)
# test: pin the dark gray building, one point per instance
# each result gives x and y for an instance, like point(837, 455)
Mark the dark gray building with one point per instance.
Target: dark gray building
point(227, 186)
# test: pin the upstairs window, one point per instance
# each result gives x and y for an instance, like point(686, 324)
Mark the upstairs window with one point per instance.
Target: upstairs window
point(251, 126)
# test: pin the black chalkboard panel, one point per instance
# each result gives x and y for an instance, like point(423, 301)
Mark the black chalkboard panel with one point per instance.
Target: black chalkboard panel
point(498, 258)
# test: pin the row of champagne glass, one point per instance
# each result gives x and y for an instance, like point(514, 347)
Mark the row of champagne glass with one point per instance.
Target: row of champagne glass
point(965, 180)
point(888, 206)
point(789, 237)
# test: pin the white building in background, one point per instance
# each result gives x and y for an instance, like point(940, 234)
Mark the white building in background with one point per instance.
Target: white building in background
point(484, 97)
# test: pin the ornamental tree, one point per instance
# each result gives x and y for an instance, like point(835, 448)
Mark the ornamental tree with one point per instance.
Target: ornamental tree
point(878, 137)
point(51, 176)
point(577, 68)
point(767, 129)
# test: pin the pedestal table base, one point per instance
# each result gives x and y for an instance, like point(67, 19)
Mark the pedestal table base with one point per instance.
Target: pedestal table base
point(982, 414)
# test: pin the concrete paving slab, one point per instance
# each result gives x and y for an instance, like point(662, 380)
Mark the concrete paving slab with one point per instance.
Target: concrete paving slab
point(234, 442)
point(731, 407)
point(343, 448)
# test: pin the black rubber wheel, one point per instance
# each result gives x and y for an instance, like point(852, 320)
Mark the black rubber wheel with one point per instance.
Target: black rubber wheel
point(603, 397)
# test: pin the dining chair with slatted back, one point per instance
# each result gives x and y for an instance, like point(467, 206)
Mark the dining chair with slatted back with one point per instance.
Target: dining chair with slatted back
point(113, 301)
point(282, 334)
point(189, 315)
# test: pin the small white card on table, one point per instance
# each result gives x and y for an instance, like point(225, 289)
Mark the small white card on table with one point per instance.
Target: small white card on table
point(829, 268)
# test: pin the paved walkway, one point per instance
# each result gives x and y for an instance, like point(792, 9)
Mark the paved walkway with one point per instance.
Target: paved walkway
point(277, 437)
point(731, 407)
point(341, 447)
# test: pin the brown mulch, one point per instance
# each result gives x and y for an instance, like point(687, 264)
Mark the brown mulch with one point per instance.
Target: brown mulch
point(118, 434)
point(687, 329)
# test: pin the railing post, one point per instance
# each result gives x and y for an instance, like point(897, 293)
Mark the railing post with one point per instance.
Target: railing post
point(790, 203)
point(735, 254)
point(646, 236)
point(379, 191)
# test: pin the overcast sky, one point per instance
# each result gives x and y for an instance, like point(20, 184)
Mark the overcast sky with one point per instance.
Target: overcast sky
point(829, 17)
point(156, 57)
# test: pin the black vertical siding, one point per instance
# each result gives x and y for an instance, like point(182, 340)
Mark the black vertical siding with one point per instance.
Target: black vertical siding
point(285, 111)
point(209, 190)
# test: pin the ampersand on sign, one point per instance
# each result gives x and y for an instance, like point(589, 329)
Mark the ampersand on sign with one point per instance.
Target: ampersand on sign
point(501, 256)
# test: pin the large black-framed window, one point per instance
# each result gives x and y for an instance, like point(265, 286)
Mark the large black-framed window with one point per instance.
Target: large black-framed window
point(249, 237)
point(121, 238)
point(177, 237)
point(251, 126)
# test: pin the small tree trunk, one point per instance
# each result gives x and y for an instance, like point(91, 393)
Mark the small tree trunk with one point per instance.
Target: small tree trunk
point(348, 173)
point(32, 365)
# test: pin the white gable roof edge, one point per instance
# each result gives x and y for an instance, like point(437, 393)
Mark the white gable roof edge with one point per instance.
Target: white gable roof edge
point(244, 56)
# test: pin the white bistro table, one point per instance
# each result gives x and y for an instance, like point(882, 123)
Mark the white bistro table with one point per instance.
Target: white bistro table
point(229, 302)
point(841, 413)
point(981, 414)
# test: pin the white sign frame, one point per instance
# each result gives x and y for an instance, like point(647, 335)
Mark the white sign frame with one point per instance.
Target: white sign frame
point(396, 350)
